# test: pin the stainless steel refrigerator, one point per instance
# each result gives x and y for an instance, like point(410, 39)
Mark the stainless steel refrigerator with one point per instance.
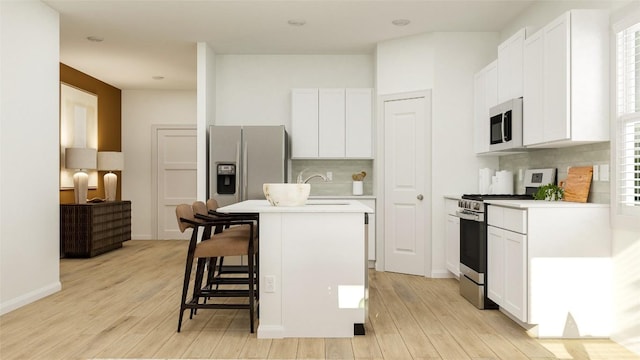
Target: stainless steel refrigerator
point(242, 158)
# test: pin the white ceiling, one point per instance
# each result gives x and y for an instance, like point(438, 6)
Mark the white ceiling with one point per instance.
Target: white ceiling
point(146, 38)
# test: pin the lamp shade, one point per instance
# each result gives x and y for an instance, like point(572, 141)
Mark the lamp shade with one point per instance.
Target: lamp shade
point(110, 160)
point(80, 158)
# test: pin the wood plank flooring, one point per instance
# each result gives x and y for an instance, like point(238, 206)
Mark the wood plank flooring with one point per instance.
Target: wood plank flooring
point(124, 304)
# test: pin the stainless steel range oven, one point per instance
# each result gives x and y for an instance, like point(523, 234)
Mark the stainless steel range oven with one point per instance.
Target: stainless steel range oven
point(473, 248)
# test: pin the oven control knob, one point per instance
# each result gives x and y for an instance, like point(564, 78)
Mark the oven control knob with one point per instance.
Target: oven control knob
point(476, 206)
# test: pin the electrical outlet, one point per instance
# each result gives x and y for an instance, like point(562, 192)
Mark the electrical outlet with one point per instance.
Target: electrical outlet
point(596, 173)
point(269, 284)
point(330, 175)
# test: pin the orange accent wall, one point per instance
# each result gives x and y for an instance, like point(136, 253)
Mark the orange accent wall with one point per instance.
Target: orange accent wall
point(109, 122)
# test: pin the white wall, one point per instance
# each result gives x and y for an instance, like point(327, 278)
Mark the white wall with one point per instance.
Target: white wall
point(141, 110)
point(206, 113)
point(445, 63)
point(256, 89)
point(405, 64)
point(29, 160)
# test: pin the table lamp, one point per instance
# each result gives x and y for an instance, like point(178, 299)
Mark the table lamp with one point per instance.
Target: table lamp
point(80, 159)
point(110, 161)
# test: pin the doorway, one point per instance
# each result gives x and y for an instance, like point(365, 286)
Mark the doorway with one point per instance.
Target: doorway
point(174, 177)
point(407, 182)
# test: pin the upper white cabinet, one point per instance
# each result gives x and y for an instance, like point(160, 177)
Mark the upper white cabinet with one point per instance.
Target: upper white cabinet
point(566, 81)
point(336, 123)
point(304, 124)
point(358, 123)
point(510, 67)
point(485, 96)
point(331, 123)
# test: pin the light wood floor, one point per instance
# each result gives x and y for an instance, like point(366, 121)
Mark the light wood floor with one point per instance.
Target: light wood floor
point(124, 304)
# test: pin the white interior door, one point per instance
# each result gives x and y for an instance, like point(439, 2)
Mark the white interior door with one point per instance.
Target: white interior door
point(405, 169)
point(176, 151)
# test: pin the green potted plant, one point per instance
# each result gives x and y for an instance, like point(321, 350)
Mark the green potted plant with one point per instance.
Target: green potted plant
point(549, 192)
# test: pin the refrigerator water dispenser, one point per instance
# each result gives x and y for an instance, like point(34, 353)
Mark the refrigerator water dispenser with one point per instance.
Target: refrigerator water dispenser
point(226, 178)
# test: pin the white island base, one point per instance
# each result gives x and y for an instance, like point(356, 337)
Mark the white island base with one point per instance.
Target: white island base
point(313, 277)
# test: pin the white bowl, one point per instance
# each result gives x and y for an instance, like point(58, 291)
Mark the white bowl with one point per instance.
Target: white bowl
point(286, 194)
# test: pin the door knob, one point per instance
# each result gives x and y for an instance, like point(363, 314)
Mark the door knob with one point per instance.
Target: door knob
point(420, 197)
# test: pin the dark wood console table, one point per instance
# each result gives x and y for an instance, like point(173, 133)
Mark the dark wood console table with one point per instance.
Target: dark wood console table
point(88, 230)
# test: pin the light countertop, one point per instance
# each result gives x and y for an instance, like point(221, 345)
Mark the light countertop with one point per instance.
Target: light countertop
point(312, 206)
point(354, 197)
point(453, 197)
point(529, 204)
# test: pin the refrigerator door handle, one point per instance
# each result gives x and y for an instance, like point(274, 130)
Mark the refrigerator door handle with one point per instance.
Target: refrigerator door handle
point(239, 190)
point(245, 175)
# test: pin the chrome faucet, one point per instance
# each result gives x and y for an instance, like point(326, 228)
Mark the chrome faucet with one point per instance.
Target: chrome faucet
point(300, 181)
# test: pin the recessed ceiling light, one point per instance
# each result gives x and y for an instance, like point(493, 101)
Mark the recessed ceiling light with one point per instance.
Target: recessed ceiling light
point(296, 22)
point(400, 22)
point(157, 77)
point(95, 38)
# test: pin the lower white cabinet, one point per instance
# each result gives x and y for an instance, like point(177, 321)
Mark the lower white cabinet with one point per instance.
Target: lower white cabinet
point(549, 266)
point(507, 270)
point(452, 238)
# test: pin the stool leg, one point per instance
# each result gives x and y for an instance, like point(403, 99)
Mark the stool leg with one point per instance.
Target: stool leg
point(250, 282)
point(197, 285)
point(185, 288)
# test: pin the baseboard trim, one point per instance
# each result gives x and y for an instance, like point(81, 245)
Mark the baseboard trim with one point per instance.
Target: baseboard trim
point(28, 298)
point(442, 274)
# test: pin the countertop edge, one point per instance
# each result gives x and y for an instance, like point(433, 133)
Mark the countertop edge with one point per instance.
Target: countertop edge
point(263, 206)
point(527, 204)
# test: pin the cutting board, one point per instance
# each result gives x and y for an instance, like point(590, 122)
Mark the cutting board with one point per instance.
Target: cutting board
point(576, 186)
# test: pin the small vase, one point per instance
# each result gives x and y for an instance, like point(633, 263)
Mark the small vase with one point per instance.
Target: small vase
point(357, 187)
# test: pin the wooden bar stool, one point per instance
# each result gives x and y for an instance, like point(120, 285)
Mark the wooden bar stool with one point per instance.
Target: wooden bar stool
point(213, 246)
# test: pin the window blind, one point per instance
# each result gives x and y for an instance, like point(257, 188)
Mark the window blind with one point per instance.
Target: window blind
point(628, 120)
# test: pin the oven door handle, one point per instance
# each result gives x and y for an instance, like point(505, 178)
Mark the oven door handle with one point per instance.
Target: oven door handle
point(467, 216)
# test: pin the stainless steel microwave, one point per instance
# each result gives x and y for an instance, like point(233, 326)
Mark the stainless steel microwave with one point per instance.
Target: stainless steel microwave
point(505, 126)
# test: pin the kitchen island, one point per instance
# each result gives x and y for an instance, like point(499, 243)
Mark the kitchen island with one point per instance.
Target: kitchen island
point(313, 276)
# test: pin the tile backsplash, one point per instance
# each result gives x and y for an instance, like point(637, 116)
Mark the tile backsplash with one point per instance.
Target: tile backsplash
point(341, 185)
point(583, 155)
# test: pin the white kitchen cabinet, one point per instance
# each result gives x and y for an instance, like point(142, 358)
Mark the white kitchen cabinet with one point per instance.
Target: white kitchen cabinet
point(331, 123)
point(452, 238)
point(506, 259)
point(510, 67)
point(304, 123)
point(507, 270)
point(533, 98)
point(543, 259)
point(359, 123)
point(336, 124)
point(485, 96)
point(566, 81)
